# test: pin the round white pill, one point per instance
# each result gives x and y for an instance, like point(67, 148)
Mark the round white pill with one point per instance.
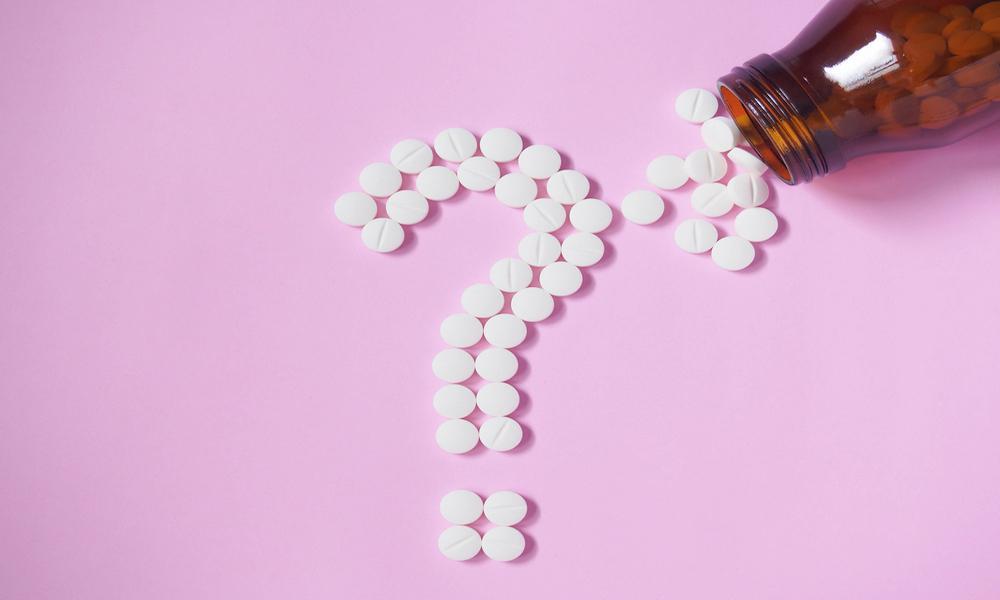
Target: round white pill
point(505, 331)
point(456, 436)
point(643, 207)
point(539, 161)
point(568, 186)
point(696, 236)
point(711, 200)
point(482, 300)
point(667, 172)
point(380, 179)
point(505, 508)
point(498, 399)
point(355, 209)
point(591, 215)
point(544, 214)
point(503, 544)
point(407, 207)
point(511, 274)
point(561, 278)
point(455, 144)
point(411, 156)
point(539, 249)
point(583, 249)
point(496, 364)
point(696, 105)
point(733, 253)
point(705, 166)
point(516, 190)
point(437, 183)
point(461, 507)
point(748, 190)
point(453, 365)
point(478, 173)
point(453, 401)
point(461, 330)
point(382, 235)
point(721, 134)
point(747, 161)
point(459, 542)
point(532, 304)
point(500, 433)
point(501, 144)
point(756, 224)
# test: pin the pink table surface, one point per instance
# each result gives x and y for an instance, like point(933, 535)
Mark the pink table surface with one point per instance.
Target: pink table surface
point(210, 389)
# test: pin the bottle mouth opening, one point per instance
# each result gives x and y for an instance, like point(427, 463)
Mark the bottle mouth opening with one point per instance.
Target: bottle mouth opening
point(759, 141)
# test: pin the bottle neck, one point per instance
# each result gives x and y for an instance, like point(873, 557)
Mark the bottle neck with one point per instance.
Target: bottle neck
point(773, 111)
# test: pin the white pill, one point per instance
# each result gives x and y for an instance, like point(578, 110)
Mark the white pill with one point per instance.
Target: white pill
point(382, 235)
point(355, 209)
point(747, 161)
point(455, 144)
point(503, 544)
point(456, 436)
point(591, 215)
point(721, 134)
point(544, 214)
point(539, 161)
point(461, 507)
point(453, 401)
point(539, 249)
point(453, 365)
point(461, 330)
point(696, 105)
point(407, 207)
point(500, 433)
point(498, 399)
point(505, 331)
point(411, 156)
point(496, 364)
point(696, 236)
point(568, 186)
point(505, 508)
point(532, 304)
point(756, 224)
point(482, 300)
point(516, 190)
point(643, 207)
point(511, 274)
point(733, 253)
point(667, 172)
point(748, 190)
point(459, 542)
point(705, 166)
point(583, 249)
point(711, 200)
point(380, 179)
point(478, 173)
point(561, 278)
point(501, 144)
point(437, 183)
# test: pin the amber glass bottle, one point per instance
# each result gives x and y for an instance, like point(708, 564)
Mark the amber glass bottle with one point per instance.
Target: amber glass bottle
point(870, 76)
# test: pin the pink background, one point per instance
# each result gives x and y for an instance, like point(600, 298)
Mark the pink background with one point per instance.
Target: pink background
point(210, 389)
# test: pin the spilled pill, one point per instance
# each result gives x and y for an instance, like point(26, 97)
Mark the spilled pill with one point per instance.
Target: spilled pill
point(696, 105)
point(478, 173)
point(733, 253)
point(582, 249)
point(382, 235)
point(455, 401)
point(461, 507)
point(455, 144)
point(539, 161)
point(544, 214)
point(568, 186)
point(461, 330)
point(756, 224)
point(453, 365)
point(497, 399)
point(456, 436)
point(501, 434)
point(505, 508)
point(711, 200)
point(459, 542)
point(590, 215)
point(667, 172)
point(482, 300)
point(516, 190)
point(355, 209)
point(505, 330)
point(437, 183)
point(747, 161)
point(539, 249)
point(411, 156)
point(695, 236)
point(532, 304)
point(407, 207)
point(511, 274)
point(501, 144)
point(721, 134)
point(503, 543)
point(496, 364)
point(560, 279)
point(380, 179)
point(705, 165)
point(748, 190)
point(643, 207)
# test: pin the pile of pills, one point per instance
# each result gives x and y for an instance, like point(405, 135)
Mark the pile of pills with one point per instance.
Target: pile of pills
point(711, 198)
point(463, 508)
